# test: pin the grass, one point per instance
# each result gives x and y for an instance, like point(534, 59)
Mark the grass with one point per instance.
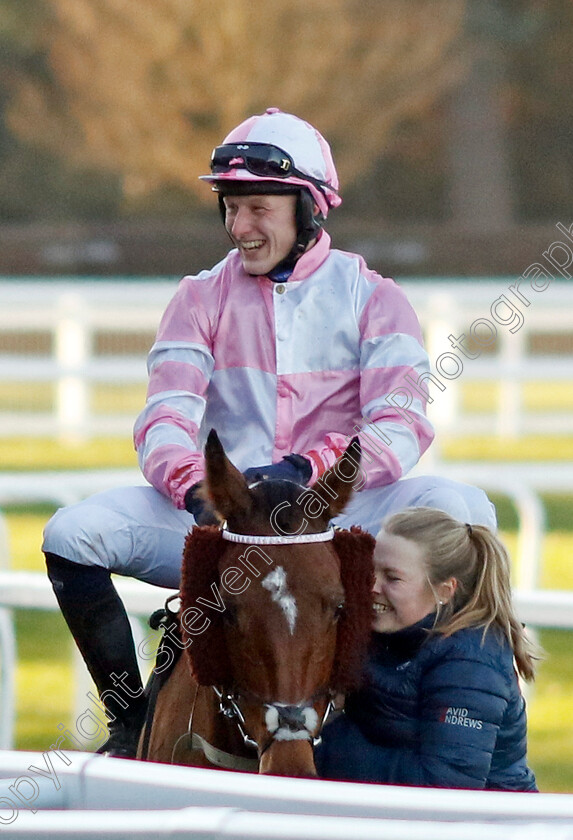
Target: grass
point(530, 448)
point(44, 678)
point(21, 455)
point(549, 706)
point(39, 397)
point(45, 681)
point(480, 397)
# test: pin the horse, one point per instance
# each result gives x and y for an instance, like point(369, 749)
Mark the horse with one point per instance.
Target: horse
point(274, 618)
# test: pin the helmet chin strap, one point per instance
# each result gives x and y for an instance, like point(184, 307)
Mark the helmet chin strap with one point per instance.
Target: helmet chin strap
point(308, 225)
point(282, 270)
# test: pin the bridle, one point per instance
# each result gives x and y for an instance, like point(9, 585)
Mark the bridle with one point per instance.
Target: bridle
point(284, 718)
point(284, 721)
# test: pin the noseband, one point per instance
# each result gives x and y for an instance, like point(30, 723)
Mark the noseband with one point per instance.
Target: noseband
point(285, 722)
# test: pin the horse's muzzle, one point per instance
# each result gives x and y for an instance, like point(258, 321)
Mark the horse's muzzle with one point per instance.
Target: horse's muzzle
point(291, 722)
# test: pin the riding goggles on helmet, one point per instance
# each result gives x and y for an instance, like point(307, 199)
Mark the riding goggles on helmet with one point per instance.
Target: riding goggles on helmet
point(261, 159)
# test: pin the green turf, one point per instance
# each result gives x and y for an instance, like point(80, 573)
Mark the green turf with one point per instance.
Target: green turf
point(22, 454)
point(37, 397)
point(536, 396)
point(44, 678)
point(549, 705)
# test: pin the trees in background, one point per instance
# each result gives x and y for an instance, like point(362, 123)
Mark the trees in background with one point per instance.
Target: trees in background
point(145, 88)
point(437, 110)
point(36, 179)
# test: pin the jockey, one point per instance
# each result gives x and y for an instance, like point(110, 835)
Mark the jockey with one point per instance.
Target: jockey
point(288, 348)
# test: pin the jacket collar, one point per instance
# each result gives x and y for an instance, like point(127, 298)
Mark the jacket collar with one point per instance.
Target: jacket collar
point(403, 644)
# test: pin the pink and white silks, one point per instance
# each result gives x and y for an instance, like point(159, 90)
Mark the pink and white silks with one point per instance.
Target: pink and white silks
point(288, 367)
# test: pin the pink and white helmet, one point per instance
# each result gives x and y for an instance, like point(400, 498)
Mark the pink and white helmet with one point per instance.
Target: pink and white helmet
point(281, 148)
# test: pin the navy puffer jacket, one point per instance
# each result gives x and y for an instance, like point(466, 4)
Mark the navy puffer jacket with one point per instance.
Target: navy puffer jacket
point(434, 711)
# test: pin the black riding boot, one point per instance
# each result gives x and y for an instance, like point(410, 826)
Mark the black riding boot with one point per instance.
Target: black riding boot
point(99, 624)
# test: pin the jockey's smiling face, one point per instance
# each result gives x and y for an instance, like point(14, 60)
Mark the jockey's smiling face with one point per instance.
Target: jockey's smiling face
point(262, 227)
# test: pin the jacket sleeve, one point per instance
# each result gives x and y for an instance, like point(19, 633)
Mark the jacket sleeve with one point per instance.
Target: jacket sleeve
point(394, 373)
point(180, 365)
point(462, 702)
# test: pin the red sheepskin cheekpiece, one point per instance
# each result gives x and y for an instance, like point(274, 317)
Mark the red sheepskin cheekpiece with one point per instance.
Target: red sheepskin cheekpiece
point(206, 650)
point(355, 549)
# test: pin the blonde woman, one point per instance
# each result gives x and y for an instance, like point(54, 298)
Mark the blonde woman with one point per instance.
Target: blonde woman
point(440, 703)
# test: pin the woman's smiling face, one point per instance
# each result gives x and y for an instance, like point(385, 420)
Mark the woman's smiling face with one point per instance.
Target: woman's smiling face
point(402, 594)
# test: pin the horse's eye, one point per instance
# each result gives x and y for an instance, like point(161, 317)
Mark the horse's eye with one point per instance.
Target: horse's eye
point(339, 609)
point(230, 614)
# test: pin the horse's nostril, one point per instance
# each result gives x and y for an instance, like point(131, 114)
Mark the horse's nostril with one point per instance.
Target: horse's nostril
point(292, 717)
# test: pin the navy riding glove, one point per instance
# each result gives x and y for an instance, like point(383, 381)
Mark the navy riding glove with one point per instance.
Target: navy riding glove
point(295, 468)
point(202, 511)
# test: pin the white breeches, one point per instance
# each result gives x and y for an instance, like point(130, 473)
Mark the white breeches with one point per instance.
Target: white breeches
point(136, 531)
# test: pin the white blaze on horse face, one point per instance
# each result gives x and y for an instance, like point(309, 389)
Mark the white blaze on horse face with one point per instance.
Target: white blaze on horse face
point(276, 583)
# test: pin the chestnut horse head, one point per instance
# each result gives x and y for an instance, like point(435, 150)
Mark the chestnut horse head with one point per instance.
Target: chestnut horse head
point(275, 606)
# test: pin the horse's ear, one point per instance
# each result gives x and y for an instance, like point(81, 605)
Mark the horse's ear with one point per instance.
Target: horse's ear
point(226, 486)
point(337, 483)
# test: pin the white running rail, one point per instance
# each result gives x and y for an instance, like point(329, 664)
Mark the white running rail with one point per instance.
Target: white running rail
point(91, 796)
point(57, 332)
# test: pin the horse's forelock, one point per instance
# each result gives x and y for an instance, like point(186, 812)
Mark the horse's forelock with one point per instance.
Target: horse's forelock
point(278, 504)
point(355, 549)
